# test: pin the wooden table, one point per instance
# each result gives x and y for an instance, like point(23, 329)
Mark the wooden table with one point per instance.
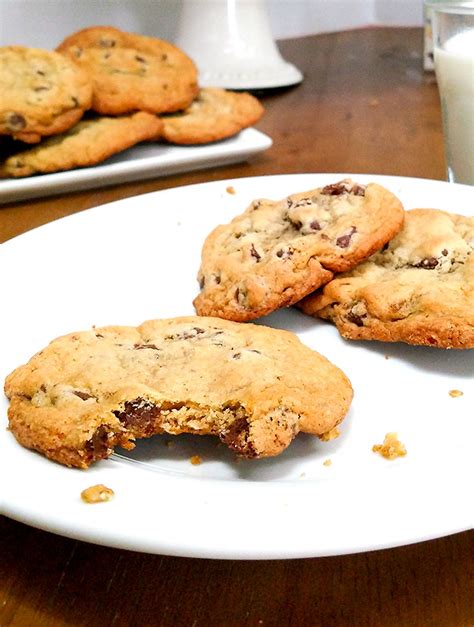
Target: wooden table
point(365, 106)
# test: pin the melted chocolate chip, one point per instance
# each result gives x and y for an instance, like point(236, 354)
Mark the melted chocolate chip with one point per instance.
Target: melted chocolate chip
point(237, 438)
point(343, 241)
point(355, 319)
point(140, 417)
point(98, 444)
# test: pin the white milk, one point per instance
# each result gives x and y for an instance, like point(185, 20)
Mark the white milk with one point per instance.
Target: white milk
point(455, 74)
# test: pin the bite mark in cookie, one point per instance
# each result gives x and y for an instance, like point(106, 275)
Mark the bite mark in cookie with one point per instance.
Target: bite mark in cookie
point(253, 387)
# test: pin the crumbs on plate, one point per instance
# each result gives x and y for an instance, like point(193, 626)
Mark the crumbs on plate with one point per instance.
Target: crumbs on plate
point(97, 494)
point(455, 393)
point(391, 447)
point(196, 460)
point(230, 189)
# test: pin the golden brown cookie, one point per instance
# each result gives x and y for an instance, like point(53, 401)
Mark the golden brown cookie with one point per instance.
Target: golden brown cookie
point(252, 386)
point(277, 252)
point(132, 72)
point(215, 114)
point(42, 93)
point(419, 289)
point(88, 143)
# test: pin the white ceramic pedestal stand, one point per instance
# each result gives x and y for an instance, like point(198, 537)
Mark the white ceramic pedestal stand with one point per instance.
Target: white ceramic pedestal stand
point(231, 43)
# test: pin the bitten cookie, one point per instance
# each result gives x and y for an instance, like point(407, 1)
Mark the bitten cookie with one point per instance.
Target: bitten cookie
point(418, 290)
point(88, 143)
point(215, 114)
point(42, 93)
point(132, 72)
point(277, 252)
point(252, 386)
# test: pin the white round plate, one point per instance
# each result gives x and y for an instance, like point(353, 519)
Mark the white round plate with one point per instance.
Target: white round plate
point(137, 259)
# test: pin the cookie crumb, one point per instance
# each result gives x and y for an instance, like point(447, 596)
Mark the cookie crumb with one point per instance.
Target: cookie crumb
point(196, 460)
point(327, 462)
point(391, 447)
point(97, 494)
point(230, 189)
point(330, 435)
point(455, 393)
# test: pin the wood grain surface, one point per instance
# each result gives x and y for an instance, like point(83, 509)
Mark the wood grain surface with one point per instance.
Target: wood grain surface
point(365, 106)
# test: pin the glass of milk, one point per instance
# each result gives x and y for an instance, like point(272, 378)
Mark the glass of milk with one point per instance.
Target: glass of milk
point(453, 44)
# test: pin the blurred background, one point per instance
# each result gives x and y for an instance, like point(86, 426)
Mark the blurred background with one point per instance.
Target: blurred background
point(44, 23)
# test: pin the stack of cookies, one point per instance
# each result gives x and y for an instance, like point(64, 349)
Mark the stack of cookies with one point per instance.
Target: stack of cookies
point(351, 254)
point(102, 91)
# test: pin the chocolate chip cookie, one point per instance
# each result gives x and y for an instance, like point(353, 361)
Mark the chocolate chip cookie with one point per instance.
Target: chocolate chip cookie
point(215, 114)
point(42, 93)
point(419, 289)
point(132, 72)
point(254, 387)
point(89, 142)
point(277, 252)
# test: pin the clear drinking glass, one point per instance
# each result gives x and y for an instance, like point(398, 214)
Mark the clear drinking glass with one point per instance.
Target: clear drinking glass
point(453, 44)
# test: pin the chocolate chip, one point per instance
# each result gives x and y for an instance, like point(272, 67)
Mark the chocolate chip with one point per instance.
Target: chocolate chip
point(83, 395)
point(285, 253)
point(16, 122)
point(139, 416)
point(41, 88)
point(315, 226)
point(202, 282)
point(444, 252)
point(236, 437)
point(164, 57)
point(140, 59)
point(98, 444)
point(343, 187)
point(343, 241)
point(236, 355)
point(254, 253)
point(428, 263)
point(40, 72)
point(355, 319)
point(142, 346)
